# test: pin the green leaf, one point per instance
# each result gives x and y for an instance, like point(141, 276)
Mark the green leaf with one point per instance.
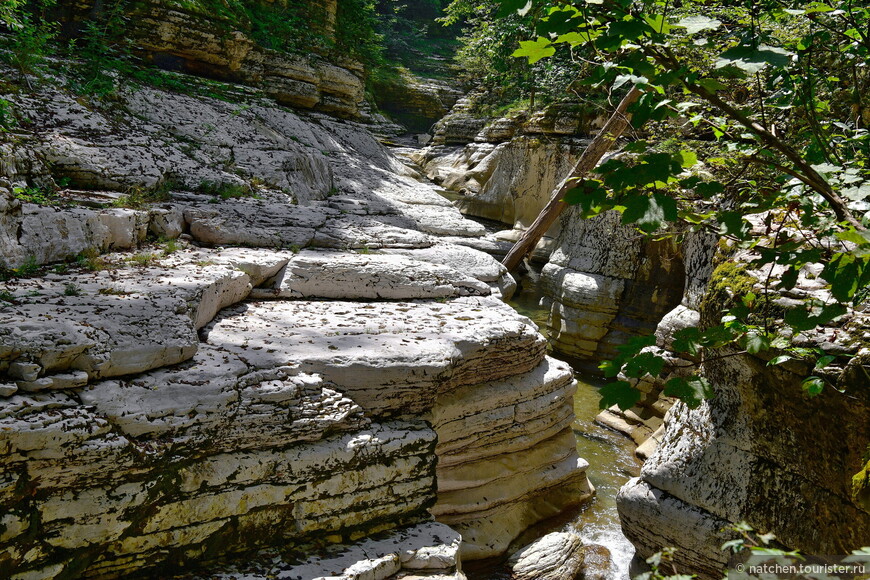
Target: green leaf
point(509, 7)
point(590, 195)
point(824, 361)
point(858, 192)
point(814, 7)
point(692, 390)
point(733, 545)
point(688, 340)
point(643, 364)
point(854, 236)
point(629, 29)
point(778, 360)
point(732, 224)
point(711, 85)
point(535, 50)
point(619, 393)
point(753, 60)
point(687, 158)
point(813, 386)
point(697, 23)
point(756, 342)
point(847, 274)
point(788, 278)
point(649, 213)
point(658, 22)
point(575, 38)
point(708, 189)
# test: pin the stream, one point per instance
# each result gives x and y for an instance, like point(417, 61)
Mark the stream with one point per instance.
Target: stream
point(610, 454)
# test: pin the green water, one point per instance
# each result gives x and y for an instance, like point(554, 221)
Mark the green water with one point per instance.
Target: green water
point(610, 454)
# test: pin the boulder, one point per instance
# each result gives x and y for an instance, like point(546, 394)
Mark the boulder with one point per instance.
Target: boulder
point(556, 556)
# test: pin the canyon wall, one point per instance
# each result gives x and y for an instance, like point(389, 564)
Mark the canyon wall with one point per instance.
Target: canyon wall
point(760, 451)
point(195, 38)
point(317, 357)
point(506, 169)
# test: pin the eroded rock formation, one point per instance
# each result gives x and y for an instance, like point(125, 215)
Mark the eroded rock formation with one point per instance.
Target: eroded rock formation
point(760, 451)
point(350, 370)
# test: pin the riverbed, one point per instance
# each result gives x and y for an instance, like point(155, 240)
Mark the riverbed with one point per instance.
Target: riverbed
point(610, 454)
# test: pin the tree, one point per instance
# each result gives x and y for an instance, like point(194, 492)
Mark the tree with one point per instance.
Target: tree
point(778, 91)
point(490, 39)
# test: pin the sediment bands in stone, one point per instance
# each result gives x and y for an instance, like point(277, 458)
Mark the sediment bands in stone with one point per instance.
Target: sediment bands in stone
point(352, 370)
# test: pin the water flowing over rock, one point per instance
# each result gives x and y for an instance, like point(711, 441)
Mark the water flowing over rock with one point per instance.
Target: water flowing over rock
point(348, 371)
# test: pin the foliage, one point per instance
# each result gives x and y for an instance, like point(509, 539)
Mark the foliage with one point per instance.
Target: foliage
point(143, 259)
point(225, 190)
point(7, 116)
point(9, 13)
point(661, 563)
point(37, 195)
point(413, 38)
point(138, 197)
point(781, 87)
point(355, 31)
point(486, 56)
point(31, 35)
point(91, 260)
point(102, 52)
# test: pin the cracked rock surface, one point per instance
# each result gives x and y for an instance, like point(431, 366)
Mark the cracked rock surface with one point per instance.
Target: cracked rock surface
point(319, 359)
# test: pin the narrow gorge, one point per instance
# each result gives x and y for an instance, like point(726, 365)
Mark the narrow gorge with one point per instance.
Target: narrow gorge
point(254, 323)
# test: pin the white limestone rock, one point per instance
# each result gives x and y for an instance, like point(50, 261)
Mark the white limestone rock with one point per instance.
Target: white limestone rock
point(556, 556)
point(471, 261)
point(376, 277)
point(255, 224)
point(431, 547)
point(297, 473)
point(389, 357)
point(201, 397)
point(135, 333)
point(487, 420)
point(653, 519)
point(48, 234)
point(58, 381)
point(530, 486)
point(120, 321)
point(518, 179)
point(370, 232)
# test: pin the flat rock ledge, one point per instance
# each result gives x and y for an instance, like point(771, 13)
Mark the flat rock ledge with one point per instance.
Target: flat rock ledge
point(428, 550)
point(192, 404)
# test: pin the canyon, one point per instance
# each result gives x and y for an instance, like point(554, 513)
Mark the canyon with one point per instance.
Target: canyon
point(242, 325)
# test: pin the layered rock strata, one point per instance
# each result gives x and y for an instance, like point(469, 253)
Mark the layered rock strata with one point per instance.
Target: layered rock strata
point(188, 37)
point(427, 550)
point(192, 401)
point(607, 283)
point(760, 451)
point(506, 170)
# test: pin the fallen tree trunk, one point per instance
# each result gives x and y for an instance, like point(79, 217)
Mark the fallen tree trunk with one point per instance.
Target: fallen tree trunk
point(601, 144)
